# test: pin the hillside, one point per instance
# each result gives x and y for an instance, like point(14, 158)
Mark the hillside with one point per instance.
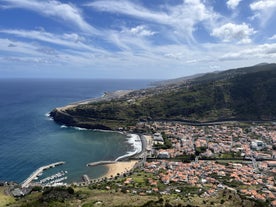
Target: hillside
point(237, 94)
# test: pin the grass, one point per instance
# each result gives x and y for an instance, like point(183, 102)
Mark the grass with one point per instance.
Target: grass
point(224, 162)
point(5, 199)
point(85, 197)
point(139, 178)
point(116, 199)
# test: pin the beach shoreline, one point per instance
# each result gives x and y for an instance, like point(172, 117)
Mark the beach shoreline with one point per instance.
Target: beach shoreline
point(118, 168)
point(135, 141)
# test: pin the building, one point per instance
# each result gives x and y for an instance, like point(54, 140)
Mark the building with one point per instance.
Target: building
point(158, 139)
point(17, 192)
point(163, 155)
point(257, 145)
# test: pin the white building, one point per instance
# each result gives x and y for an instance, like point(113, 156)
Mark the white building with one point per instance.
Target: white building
point(257, 145)
point(158, 139)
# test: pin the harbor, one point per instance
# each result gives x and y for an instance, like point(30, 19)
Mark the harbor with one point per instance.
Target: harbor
point(122, 165)
point(54, 180)
point(39, 171)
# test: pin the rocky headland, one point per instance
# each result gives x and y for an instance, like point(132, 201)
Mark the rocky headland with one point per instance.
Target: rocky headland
point(246, 94)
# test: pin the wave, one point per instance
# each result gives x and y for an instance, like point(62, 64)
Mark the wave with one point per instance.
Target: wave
point(48, 116)
point(80, 129)
point(135, 141)
point(106, 131)
point(63, 126)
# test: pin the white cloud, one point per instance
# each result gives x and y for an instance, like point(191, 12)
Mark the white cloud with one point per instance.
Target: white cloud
point(272, 37)
point(181, 19)
point(264, 10)
point(17, 47)
point(70, 40)
point(53, 8)
point(263, 5)
point(264, 51)
point(132, 39)
point(172, 60)
point(159, 41)
point(234, 32)
point(29, 52)
point(140, 30)
point(232, 4)
point(128, 8)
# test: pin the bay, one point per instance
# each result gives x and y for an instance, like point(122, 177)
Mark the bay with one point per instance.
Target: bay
point(29, 139)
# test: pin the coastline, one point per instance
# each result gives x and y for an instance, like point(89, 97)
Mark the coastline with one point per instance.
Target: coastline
point(114, 168)
point(135, 141)
point(117, 167)
point(120, 165)
point(49, 140)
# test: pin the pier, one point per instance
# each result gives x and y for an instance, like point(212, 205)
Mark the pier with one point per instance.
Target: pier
point(91, 164)
point(26, 182)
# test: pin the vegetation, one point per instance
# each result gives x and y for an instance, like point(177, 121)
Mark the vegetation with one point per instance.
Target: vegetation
point(117, 192)
point(4, 198)
point(241, 94)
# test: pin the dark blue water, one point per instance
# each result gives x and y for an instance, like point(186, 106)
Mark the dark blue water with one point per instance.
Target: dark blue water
point(28, 139)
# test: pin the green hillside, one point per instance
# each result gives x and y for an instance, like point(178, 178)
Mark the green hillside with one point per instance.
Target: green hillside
point(238, 94)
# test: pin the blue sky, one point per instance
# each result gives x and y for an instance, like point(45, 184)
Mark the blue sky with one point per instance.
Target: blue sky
point(153, 39)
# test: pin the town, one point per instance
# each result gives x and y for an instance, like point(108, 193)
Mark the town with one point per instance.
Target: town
point(239, 157)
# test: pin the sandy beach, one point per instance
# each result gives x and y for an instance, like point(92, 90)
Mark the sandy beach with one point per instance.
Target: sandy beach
point(119, 168)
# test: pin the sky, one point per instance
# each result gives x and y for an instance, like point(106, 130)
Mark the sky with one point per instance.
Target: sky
point(133, 39)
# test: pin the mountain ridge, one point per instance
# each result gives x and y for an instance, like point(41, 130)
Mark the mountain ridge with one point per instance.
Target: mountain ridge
point(236, 94)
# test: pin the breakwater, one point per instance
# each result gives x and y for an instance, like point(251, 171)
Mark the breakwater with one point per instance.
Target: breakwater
point(27, 182)
point(91, 164)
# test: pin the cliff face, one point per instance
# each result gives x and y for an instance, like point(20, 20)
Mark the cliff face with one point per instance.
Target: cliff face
point(64, 118)
point(240, 94)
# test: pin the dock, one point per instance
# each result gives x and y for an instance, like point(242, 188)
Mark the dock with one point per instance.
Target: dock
point(26, 182)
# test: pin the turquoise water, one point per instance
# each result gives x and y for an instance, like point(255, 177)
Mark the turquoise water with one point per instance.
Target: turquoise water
point(29, 139)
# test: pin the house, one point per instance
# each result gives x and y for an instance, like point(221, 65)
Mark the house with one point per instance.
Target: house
point(158, 139)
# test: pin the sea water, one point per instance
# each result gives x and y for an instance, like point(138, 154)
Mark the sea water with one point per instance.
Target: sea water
point(29, 139)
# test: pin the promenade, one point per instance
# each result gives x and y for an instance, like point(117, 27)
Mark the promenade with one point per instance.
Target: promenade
point(26, 182)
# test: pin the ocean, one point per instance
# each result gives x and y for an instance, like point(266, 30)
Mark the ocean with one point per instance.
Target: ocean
point(29, 139)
